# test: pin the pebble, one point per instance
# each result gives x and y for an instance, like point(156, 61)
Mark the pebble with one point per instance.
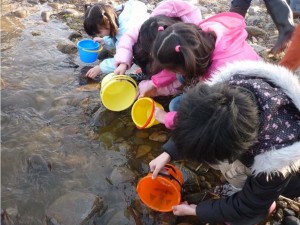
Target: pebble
point(282, 204)
point(288, 212)
point(20, 13)
point(67, 47)
point(75, 35)
point(45, 16)
point(294, 207)
point(142, 150)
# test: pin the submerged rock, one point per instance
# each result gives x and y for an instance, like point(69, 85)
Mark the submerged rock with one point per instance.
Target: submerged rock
point(75, 208)
point(67, 47)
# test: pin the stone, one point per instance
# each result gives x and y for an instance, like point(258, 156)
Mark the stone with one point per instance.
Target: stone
point(282, 204)
point(256, 31)
point(75, 208)
point(21, 13)
point(45, 16)
point(142, 150)
point(71, 12)
point(160, 136)
point(294, 208)
point(43, 1)
point(35, 2)
point(141, 134)
point(67, 47)
point(288, 212)
point(258, 48)
point(121, 175)
point(251, 11)
point(54, 5)
point(36, 33)
point(279, 214)
point(75, 35)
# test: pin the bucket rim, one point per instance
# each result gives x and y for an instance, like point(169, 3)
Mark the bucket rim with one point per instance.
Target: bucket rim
point(149, 176)
point(150, 118)
point(89, 40)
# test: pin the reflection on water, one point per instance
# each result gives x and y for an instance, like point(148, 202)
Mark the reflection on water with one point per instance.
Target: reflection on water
point(44, 114)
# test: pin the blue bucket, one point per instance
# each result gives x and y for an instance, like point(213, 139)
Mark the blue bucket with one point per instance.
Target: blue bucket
point(88, 50)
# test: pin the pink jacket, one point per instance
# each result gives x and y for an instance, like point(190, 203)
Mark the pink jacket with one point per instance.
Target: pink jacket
point(230, 45)
point(171, 8)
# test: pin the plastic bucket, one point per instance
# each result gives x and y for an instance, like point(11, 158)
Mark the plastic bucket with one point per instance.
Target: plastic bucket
point(118, 92)
point(163, 192)
point(88, 50)
point(142, 112)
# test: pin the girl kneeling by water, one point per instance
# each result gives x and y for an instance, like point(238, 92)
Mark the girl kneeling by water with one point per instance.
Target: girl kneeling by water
point(109, 24)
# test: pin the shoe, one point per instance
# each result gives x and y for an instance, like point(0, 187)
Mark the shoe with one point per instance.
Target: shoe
point(138, 77)
point(282, 16)
point(226, 190)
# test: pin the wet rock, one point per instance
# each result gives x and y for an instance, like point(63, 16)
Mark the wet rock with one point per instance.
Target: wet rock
point(67, 47)
point(253, 20)
point(3, 84)
point(294, 207)
point(122, 175)
point(37, 164)
point(205, 184)
point(251, 11)
point(290, 220)
point(141, 134)
point(36, 33)
point(256, 31)
point(142, 150)
point(160, 136)
point(54, 5)
point(282, 204)
point(21, 13)
point(288, 212)
point(35, 2)
point(43, 1)
point(75, 208)
point(70, 12)
point(45, 16)
point(203, 9)
point(4, 218)
point(279, 214)
point(74, 36)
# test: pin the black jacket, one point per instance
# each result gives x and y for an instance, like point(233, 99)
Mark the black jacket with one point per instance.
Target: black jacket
point(275, 159)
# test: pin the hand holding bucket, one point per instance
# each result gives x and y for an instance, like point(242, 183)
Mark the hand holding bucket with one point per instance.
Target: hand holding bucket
point(164, 191)
point(88, 50)
point(142, 112)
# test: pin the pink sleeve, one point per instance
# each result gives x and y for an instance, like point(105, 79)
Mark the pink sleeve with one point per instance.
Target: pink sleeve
point(163, 78)
point(124, 49)
point(170, 120)
point(187, 12)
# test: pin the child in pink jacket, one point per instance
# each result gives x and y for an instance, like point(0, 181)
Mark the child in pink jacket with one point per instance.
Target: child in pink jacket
point(181, 47)
point(183, 10)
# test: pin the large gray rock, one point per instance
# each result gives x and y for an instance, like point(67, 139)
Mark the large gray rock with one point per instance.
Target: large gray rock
point(75, 208)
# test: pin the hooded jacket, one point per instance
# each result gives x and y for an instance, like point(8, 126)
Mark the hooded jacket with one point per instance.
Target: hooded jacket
point(274, 161)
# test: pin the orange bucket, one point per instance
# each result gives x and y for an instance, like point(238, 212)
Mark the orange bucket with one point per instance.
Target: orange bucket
point(163, 192)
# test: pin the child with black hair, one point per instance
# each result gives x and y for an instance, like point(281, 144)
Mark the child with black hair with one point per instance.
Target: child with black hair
point(109, 24)
point(249, 112)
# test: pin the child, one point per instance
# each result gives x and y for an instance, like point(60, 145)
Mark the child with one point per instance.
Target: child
point(197, 51)
point(102, 20)
point(176, 9)
point(249, 112)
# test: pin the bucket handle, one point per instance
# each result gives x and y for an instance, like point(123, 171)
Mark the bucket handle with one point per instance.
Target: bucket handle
point(149, 118)
point(99, 50)
point(171, 177)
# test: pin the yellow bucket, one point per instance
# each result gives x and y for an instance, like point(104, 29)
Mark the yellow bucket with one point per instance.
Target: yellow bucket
point(118, 92)
point(142, 112)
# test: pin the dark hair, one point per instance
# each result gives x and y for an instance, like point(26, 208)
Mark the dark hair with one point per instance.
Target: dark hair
point(196, 48)
point(102, 15)
point(147, 34)
point(216, 123)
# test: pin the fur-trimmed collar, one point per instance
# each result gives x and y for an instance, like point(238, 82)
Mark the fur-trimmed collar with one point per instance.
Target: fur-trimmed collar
point(284, 160)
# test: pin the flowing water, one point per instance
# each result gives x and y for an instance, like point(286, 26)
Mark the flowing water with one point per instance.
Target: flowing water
point(44, 113)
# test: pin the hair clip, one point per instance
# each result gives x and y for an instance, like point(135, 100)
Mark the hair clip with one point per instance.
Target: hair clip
point(177, 48)
point(161, 28)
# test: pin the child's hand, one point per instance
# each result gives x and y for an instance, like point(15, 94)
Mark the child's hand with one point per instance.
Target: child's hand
point(146, 89)
point(184, 209)
point(159, 115)
point(100, 40)
point(158, 163)
point(120, 69)
point(92, 73)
